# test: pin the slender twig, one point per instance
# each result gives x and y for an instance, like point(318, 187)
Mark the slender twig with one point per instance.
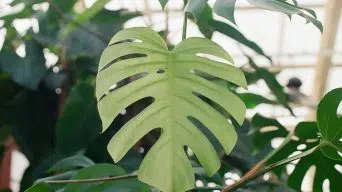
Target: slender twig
point(63, 17)
point(267, 168)
point(185, 25)
point(92, 180)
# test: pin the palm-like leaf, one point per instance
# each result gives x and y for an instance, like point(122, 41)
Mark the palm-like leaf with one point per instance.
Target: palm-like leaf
point(173, 83)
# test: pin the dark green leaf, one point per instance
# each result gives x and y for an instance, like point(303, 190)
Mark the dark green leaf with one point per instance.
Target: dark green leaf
point(80, 122)
point(113, 17)
point(330, 125)
point(305, 135)
point(252, 100)
point(265, 129)
point(235, 34)
point(225, 8)
point(26, 71)
point(77, 161)
point(272, 83)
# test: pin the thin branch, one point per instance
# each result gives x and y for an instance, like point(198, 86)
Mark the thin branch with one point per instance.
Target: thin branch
point(92, 180)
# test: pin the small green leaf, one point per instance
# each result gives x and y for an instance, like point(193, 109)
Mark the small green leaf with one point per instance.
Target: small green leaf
point(330, 125)
point(225, 8)
point(77, 161)
point(195, 8)
point(170, 79)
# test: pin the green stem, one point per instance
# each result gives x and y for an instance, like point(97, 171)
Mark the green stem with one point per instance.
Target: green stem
point(267, 168)
point(92, 180)
point(185, 25)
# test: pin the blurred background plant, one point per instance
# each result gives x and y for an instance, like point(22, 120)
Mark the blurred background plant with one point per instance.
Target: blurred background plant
point(48, 63)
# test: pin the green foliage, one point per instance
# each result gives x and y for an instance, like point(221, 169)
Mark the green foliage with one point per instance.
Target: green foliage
point(80, 122)
point(225, 8)
point(305, 138)
point(172, 81)
point(26, 71)
point(58, 133)
point(330, 125)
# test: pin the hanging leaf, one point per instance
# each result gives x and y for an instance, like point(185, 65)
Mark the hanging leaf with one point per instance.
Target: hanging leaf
point(168, 77)
point(225, 8)
point(330, 125)
point(27, 71)
point(195, 8)
point(287, 8)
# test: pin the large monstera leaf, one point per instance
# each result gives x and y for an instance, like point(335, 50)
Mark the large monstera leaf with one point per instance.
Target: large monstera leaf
point(171, 78)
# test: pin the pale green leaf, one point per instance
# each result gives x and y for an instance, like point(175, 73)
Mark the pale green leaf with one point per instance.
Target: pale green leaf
point(330, 124)
point(171, 79)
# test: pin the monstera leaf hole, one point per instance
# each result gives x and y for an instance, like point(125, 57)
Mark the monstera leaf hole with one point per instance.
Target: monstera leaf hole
point(339, 113)
point(175, 80)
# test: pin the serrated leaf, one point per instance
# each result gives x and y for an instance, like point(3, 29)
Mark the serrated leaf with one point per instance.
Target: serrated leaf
point(226, 9)
point(170, 80)
point(287, 8)
point(330, 125)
